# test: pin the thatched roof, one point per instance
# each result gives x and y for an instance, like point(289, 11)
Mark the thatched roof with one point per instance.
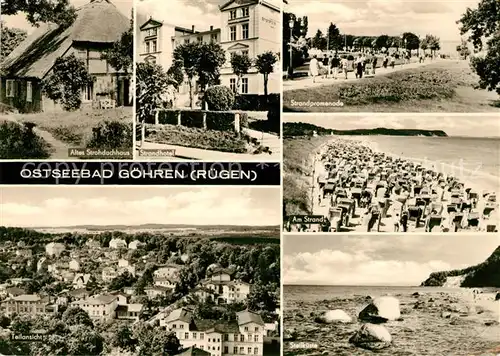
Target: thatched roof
point(99, 21)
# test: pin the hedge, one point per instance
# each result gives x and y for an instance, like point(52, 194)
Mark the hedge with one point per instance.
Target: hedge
point(255, 102)
point(220, 121)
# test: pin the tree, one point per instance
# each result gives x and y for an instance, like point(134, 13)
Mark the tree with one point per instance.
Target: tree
point(175, 72)
point(121, 55)
point(334, 41)
point(411, 41)
point(56, 11)
point(212, 57)
point(76, 316)
point(154, 341)
point(262, 297)
point(240, 63)
point(265, 66)
point(382, 42)
point(463, 49)
point(85, 341)
point(10, 39)
point(424, 45)
point(433, 43)
point(367, 42)
point(123, 280)
point(151, 85)
point(188, 56)
point(69, 75)
point(319, 41)
point(481, 24)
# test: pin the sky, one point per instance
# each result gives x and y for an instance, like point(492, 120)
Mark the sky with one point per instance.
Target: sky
point(390, 17)
point(50, 206)
point(379, 260)
point(474, 126)
point(19, 20)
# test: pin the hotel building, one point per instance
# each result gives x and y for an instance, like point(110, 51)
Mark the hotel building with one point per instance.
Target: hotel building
point(249, 27)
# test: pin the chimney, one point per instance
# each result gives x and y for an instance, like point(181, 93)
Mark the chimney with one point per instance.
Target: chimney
point(192, 28)
point(211, 27)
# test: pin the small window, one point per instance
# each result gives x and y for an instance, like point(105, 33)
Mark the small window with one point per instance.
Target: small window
point(246, 328)
point(244, 31)
point(235, 350)
point(154, 46)
point(232, 14)
point(256, 329)
point(242, 338)
point(186, 41)
point(202, 335)
point(232, 84)
point(199, 39)
point(245, 12)
point(256, 338)
point(194, 335)
point(186, 335)
point(232, 30)
point(255, 350)
point(249, 351)
point(226, 337)
point(226, 349)
point(29, 92)
point(147, 47)
point(10, 88)
point(242, 350)
point(181, 326)
point(213, 37)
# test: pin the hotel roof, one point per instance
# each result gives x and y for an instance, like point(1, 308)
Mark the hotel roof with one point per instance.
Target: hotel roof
point(246, 316)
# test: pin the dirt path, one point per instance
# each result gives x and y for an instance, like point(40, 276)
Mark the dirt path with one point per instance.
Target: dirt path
point(58, 149)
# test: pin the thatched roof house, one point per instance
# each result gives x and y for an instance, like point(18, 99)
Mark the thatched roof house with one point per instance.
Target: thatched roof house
point(98, 24)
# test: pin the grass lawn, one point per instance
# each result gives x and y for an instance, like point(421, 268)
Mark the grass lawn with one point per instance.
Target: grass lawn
point(297, 173)
point(443, 86)
point(74, 128)
point(223, 141)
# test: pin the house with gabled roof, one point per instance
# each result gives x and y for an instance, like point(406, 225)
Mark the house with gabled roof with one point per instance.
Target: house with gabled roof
point(97, 26)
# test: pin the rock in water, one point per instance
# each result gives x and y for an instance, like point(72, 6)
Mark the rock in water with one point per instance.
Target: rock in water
point(381, 310)
point(371, 337)
point(333, 316)
point(497, 297)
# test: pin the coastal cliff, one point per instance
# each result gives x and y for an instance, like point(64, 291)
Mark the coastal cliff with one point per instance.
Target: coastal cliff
point(291, 129)
point(485, 274)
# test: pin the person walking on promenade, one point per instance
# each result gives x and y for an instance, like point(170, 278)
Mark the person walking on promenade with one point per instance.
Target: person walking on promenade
point(359, 66)
point(374, 63)
point(345, 65)
point(314, 68)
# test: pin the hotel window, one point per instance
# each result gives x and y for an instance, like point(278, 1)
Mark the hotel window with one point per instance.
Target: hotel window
point(245, 12)
point(186, 335)
point(226, 349)
point(226, 337)
point(154, 46)
point(232, 84)
point(235, 350)
point(186, 41)
point(152, 32)
point(242, 338)
point(199, 39)
point(10, 88)
point(29, 92)
point(255, 351)
point(202, 336)
point(244, 31)
point(232, 14)
point(174, 326)
point(256, 338)
point(246, 328)
point(213, 37)
point(232, 31)
point(242, 350)
point(147, 47)
point(194, 335)
point(249, 351)
point(245, 52)
point(256, 329)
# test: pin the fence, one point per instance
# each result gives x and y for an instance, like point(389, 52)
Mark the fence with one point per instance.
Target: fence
point(203, 119)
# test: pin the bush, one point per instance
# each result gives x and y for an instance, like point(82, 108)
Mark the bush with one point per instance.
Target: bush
point(191, 118)
point(219, 98)
point(20, 142)
point(255, 102)
point(167, 117)
point(111, 135)
point(243, 120)
point(220, 121)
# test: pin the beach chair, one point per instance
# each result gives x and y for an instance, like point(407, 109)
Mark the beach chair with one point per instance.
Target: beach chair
point(335, 218)
point(375, 218)
point(438, 207)
point(492, 198)
point(415, 214)
point(346, 209)
point(473, 219)
point(433, 221)
point(487, 210)
point(457, 221)
point(491, 228)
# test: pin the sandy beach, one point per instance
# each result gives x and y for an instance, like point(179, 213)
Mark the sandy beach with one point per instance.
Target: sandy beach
point(434, 321)
point(359, 188)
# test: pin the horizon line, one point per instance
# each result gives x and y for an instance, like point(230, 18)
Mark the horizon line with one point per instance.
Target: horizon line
point(138, 225)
